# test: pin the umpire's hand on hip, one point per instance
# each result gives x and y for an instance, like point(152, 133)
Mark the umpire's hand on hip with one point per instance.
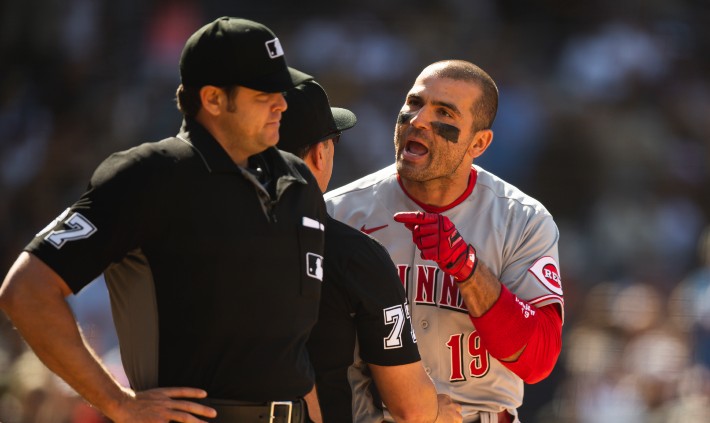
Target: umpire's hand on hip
point(449, 411)
point(160, 405)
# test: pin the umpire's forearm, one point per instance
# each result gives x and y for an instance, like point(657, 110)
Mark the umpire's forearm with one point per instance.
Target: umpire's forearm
point(33, 297)
point(407, 391)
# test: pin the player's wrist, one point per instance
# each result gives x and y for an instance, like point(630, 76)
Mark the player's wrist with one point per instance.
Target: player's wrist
point(468, 265)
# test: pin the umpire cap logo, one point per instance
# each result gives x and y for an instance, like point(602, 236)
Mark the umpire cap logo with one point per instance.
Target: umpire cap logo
point(274, 48)
point(315, 266)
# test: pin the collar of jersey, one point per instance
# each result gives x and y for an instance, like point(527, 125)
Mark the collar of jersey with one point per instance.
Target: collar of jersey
point(213, 155)
point(433, 209)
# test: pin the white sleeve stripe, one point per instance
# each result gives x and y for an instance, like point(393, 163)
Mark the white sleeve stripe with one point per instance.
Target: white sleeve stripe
point(554, 298)
point(548, 300)
point(312, 223)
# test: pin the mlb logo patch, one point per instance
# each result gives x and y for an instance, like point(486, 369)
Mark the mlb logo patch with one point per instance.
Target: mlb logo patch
point(314, 264)
point(274, 48)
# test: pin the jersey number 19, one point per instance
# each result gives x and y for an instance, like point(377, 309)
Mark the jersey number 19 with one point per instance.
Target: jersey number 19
point(477, 367)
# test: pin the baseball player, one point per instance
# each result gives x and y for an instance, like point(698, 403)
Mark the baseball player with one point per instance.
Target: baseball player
point(477, 256)
point(211, 243)
point(364, 313)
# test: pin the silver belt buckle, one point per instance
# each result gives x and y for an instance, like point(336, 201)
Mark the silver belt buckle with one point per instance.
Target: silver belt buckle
point(274, 404)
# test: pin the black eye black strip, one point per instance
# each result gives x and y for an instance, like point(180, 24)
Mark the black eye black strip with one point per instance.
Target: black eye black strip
point(404, 117)
point(448, 132)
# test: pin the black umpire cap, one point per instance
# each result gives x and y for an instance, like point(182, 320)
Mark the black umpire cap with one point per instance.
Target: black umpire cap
point(309, 119)
point(235, 51)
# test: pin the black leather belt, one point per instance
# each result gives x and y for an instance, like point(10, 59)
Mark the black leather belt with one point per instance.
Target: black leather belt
point(229, 411)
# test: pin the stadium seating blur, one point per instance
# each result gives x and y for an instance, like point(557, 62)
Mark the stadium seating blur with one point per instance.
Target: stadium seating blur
point(604, 117)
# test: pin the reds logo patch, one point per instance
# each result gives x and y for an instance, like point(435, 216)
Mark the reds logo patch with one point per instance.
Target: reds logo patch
point(547, 271)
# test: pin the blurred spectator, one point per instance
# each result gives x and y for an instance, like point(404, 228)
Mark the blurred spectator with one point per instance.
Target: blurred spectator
point(691, 301)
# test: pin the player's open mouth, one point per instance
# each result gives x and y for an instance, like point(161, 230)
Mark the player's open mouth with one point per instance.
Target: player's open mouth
point(415, 148)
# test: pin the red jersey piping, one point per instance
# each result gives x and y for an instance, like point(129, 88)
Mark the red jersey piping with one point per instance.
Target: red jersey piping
point(433, 209)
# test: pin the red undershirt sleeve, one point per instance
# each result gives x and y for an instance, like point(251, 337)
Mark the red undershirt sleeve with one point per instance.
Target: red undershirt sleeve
point(512, 324)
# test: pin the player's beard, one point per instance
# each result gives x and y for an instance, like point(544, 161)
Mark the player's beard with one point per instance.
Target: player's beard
point(441, 162)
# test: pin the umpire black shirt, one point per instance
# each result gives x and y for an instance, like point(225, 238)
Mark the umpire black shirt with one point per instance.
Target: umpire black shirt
point(215, 281)
point(364, 318)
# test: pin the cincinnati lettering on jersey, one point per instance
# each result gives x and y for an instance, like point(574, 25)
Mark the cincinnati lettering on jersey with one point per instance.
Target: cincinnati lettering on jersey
point(432, 287)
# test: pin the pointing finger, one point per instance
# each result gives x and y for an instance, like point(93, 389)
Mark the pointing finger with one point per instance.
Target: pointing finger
point(415, 217)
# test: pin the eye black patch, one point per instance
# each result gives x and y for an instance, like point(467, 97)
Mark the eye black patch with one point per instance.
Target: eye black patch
point(448, 132)
point(404, 117)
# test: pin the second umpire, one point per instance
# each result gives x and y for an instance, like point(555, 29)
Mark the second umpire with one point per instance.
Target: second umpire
point(364, 330)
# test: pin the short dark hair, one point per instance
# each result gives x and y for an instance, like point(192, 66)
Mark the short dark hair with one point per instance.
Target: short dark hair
point(302, 152)
point(485, 110)
point(189, 102)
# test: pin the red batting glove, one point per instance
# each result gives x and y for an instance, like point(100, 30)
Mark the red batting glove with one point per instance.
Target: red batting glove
point(438, 240)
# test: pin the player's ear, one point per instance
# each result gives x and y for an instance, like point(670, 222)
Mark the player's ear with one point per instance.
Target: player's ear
point(481, 140)
point(211, 98)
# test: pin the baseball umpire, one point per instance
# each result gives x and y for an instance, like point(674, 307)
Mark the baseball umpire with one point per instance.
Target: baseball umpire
point(364, 314)
point(211, 243)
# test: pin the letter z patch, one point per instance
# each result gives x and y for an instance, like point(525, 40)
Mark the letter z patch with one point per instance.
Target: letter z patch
point(547, 271)
point(77, 227)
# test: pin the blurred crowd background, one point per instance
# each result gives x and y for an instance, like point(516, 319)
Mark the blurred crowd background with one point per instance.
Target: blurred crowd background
point(604, 117)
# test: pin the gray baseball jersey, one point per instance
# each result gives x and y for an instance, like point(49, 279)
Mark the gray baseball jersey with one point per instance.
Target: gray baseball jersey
point(514, 235)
